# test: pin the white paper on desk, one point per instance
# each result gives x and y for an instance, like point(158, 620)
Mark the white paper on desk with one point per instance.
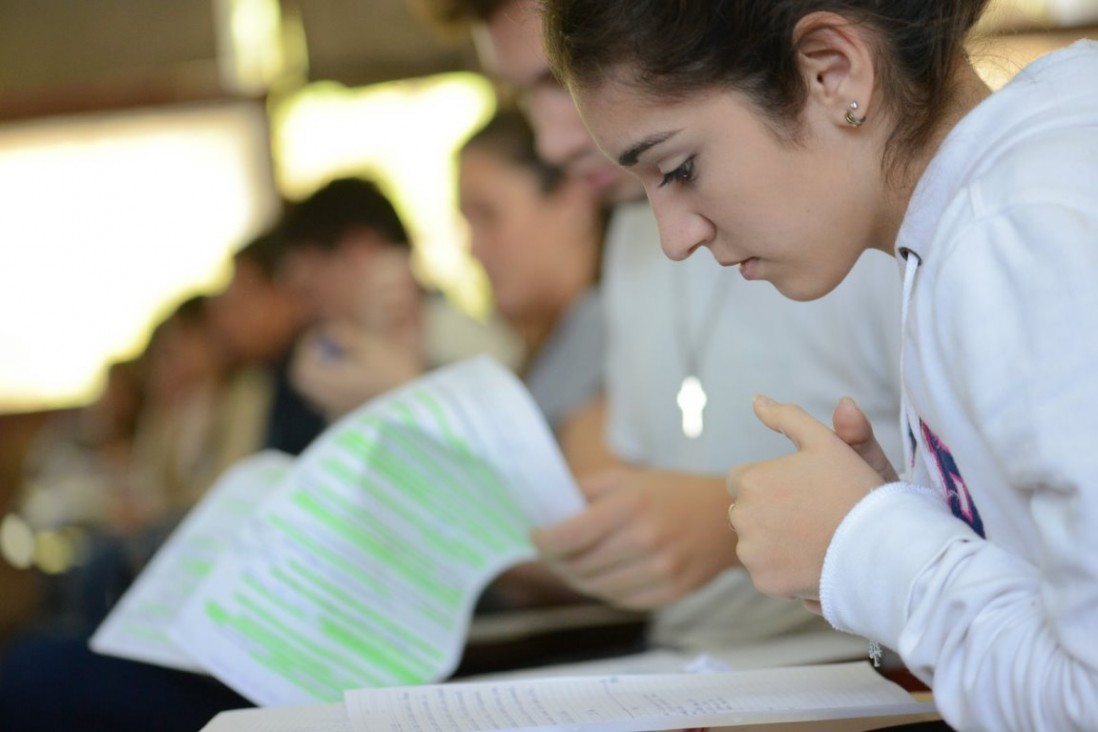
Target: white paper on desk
point(309, 718)
point(363, 568)
point(137, 626)
point(640, 703)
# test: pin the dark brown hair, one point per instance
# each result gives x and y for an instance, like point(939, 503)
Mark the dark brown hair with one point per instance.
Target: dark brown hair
point(266, 251)
point(671, 48)
point(338, 208)
point(509, 137)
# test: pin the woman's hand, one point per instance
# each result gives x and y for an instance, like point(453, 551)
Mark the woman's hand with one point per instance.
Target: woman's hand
point(786, 510)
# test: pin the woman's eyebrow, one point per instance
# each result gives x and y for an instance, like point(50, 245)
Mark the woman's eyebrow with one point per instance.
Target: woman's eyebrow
point(629, 158)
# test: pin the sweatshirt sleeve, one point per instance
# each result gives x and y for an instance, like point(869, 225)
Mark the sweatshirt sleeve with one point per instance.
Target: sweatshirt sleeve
point(1006, 637)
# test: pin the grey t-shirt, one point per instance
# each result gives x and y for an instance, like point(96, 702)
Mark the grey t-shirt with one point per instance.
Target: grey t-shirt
point(567, 372)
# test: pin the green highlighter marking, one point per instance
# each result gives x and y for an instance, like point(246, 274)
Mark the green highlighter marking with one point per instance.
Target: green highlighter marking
point(344, 600)
point(307, 652)
point(322, 551)
point(396, 468)
point(368, 544)
point(436, 410)
point(450, 548)
point(379, 657)
point(271, 656)
point(420, 471)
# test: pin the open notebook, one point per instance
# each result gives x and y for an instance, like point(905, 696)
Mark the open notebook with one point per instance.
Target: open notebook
point(358, 563)
point(831, 697)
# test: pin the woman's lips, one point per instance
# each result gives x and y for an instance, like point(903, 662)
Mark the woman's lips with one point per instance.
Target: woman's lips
point(748, 268)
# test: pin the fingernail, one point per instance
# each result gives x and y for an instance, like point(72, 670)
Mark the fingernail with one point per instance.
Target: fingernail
point(764, 400)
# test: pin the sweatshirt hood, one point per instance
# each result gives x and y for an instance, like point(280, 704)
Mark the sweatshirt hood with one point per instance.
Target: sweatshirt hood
point(1050, 94)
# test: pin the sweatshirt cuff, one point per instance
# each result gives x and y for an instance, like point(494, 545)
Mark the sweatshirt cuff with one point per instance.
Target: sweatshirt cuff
point(876, 554)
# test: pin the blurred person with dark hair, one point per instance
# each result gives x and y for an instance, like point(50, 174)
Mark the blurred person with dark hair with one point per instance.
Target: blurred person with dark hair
point(538, 236)
point(374, 326)
point(218, 391)
point(180, 446)
point(259, 318)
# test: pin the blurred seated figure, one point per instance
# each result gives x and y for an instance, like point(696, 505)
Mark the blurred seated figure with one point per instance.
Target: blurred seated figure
point(259, 318)
point(49, 678)
point(218, 388)
point(218, 391)
point(74, 477)
point(182, 441)
point(81, 453)
point(125, 463)
point(538, 236)
point(374, 326)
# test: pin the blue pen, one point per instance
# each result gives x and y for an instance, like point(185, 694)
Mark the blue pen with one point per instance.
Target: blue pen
point(329, 349)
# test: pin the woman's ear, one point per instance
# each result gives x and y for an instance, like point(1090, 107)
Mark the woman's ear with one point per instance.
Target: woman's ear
point(836, 60)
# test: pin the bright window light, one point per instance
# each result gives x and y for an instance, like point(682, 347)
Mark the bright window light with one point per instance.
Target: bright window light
point(251, 53)
point(109, 220)
point(404, 135)
point(998, 58)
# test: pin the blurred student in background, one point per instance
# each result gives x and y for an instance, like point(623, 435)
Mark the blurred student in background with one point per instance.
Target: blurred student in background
point(210, 388)
point(49, 679)
point(218, 391)
point(80, 455)
point(538, 236)
point(260, 318)
point(156, 445)
point(373, 326)
point(183, 441)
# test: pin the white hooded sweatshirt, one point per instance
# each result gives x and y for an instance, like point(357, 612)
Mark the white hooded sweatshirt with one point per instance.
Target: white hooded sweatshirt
point(981, 569)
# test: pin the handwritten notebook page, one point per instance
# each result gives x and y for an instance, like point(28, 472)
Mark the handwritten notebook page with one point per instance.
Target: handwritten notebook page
point(634, 703)
point(137, 626)
point(363, 568)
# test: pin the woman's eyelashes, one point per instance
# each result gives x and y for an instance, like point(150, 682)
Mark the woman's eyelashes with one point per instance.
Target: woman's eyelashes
point(682, 174)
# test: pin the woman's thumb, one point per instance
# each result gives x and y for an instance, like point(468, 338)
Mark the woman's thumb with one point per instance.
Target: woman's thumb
point(853, 428)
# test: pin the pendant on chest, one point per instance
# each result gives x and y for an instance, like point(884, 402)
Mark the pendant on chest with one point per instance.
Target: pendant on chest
point(691, 400)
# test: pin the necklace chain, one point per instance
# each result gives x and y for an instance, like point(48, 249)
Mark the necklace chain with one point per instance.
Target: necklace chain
point(693, 350)
point(691, 397)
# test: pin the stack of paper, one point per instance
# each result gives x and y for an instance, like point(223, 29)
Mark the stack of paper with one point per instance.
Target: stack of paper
point(357, 564)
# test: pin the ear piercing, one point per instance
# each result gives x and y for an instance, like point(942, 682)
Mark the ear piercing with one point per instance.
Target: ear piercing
point(852, 119)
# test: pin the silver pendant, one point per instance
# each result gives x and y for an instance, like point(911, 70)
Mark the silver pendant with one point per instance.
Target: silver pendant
point(691, 400)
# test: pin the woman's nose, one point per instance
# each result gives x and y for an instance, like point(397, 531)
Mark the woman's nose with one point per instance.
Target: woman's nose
point(681, 230)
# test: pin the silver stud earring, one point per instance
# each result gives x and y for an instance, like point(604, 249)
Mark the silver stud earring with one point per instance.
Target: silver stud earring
point(852, 119)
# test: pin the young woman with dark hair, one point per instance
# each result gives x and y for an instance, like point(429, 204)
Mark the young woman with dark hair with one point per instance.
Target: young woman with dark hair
point(791, 137)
